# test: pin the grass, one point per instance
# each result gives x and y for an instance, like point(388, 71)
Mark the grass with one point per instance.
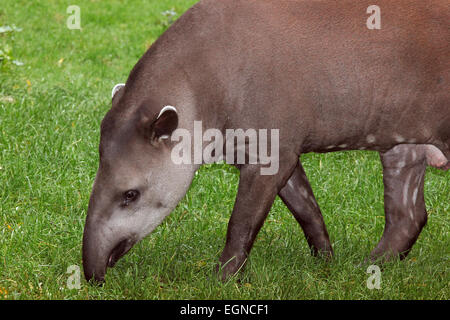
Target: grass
point(50, 111)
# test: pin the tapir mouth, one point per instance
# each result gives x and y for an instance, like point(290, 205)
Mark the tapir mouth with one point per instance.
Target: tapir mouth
point(119, 251)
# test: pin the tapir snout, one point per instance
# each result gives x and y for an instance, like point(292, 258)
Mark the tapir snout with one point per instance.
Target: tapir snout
point(100, 252)
point(103, 246)
point(104, 242)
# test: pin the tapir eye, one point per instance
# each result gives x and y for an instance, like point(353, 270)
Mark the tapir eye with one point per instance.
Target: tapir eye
point(130, 196)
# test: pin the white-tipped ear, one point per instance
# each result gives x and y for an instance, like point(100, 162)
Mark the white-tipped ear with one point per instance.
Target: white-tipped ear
point(116, 88)
point(166, 108)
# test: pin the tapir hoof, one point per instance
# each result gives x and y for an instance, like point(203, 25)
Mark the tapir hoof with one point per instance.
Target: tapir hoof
point(229, 270)
point(97, 282)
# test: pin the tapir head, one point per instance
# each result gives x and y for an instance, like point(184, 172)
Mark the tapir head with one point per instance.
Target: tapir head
point(137, 185)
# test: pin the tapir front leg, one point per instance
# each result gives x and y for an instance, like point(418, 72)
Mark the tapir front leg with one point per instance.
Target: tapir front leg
point(254, 199)
point(299, 198)
point(404, 204)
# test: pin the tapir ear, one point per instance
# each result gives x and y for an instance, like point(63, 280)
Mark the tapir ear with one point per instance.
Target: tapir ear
point(116, 89)
point(165, 124)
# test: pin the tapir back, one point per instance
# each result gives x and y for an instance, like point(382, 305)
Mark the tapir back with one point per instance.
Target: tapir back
point(315, 69)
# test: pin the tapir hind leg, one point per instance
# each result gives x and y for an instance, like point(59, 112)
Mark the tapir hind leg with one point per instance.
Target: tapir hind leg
point(404, 204)
point(299, 198)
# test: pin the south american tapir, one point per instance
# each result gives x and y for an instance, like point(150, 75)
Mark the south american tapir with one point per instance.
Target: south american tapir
point(314, 71)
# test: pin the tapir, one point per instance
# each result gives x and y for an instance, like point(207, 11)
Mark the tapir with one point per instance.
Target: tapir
point(315, 71)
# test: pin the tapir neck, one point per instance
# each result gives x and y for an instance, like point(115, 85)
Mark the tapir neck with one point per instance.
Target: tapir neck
point(178, 71)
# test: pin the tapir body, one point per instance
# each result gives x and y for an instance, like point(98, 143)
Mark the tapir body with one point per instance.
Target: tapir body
point(313, 70)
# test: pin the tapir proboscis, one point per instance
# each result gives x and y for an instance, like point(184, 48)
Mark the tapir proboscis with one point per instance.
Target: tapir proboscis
point(311, 69)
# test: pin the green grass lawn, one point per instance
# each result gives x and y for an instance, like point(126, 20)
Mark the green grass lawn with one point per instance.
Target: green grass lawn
point(50, 112)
